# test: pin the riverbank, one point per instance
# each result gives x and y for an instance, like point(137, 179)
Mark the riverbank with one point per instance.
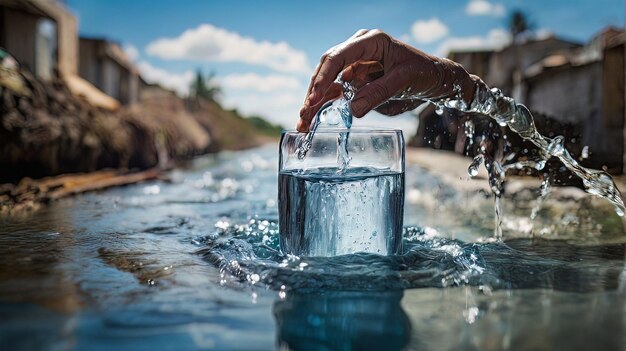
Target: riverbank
point(47, 129)
point(30, 194)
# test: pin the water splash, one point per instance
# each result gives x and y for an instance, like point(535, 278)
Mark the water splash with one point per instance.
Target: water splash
point(543, 195)
point(249, 257)
point(506, 112)
point(332, 113)
point(503, 109)
point(472, 170)
point(252, 256)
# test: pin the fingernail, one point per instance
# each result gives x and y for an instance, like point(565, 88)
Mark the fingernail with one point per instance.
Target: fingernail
point(359, 107)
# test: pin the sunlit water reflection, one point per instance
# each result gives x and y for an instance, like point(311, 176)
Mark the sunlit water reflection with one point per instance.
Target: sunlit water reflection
point(195, 264)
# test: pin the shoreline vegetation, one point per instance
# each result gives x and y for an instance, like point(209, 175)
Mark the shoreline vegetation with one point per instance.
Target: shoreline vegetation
point(50, 134)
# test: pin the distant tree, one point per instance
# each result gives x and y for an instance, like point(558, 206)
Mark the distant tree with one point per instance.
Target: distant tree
point(519, 24)
point(263, 126)
point(205, 89)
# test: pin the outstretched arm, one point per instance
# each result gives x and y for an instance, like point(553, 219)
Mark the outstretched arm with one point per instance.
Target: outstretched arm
point(381, 67)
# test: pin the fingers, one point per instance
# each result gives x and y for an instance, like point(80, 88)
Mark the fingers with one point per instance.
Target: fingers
point(368, 46)
point(360, 73)
point(378, 91)
point(396, 107)
point(358, 33)
point(333, 92)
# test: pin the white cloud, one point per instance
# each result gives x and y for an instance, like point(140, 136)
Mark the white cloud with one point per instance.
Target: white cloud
point(253, 81)
point(178, 82)
point(405, 38)
point(132, 52)
point(497, 38)
point(484, 8)
point(276, 97)
point(279, 107)
point(543, 33)
point(211, 43)
point(428, 31)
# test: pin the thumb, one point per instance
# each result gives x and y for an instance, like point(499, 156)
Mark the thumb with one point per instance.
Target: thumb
point(377, 92)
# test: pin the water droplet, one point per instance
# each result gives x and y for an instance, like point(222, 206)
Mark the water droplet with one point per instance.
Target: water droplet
point(472, 170)
point(439, 109)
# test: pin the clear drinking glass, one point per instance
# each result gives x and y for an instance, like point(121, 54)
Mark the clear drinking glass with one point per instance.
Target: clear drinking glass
point(342, 198)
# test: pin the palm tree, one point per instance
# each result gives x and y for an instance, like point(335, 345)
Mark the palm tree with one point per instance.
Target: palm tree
point(205, 89)
point(519, 24)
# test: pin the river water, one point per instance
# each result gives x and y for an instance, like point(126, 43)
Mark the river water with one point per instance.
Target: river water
point(194, 263)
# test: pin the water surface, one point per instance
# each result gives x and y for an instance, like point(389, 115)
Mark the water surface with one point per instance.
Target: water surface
point(194, 263)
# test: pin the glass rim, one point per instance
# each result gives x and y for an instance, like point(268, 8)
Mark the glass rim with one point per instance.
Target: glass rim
point(358, 130)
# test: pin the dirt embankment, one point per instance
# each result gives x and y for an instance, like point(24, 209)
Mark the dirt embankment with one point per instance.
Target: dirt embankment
point(45, 131)
point(49, 131)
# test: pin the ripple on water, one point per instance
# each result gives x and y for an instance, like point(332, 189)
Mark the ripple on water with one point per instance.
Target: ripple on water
point(249, 255)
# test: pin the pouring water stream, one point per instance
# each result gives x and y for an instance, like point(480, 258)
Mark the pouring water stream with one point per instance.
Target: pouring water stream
point(504, 110)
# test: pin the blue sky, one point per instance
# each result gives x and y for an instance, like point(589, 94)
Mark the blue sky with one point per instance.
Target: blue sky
point(264, 51)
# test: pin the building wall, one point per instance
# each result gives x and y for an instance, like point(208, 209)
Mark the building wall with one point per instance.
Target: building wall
point(504, 64)
point(570, 94)
point(46, 48)
point(111, 78)
point(67, 34)
point(474, 62)
point(19, 36)
point(614, 95)
point(89, 62)
point(19, 24)
point(578, 95)
point(100, 66)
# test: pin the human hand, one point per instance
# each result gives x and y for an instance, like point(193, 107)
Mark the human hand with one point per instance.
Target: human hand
point(381, 67)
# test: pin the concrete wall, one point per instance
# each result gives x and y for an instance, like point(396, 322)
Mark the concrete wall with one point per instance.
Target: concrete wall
point(504, 64)
point(570, 94)
point(19, 24)
point(111, 78)
point(475, 62)
point(614, 95)
point(590, 95)
point(18, 35)
point(100, 65)
point(89, 62)
point(67, 34)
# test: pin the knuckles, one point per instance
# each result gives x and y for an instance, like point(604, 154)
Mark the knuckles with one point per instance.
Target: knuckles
point(379, 92)
point(378, 34)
